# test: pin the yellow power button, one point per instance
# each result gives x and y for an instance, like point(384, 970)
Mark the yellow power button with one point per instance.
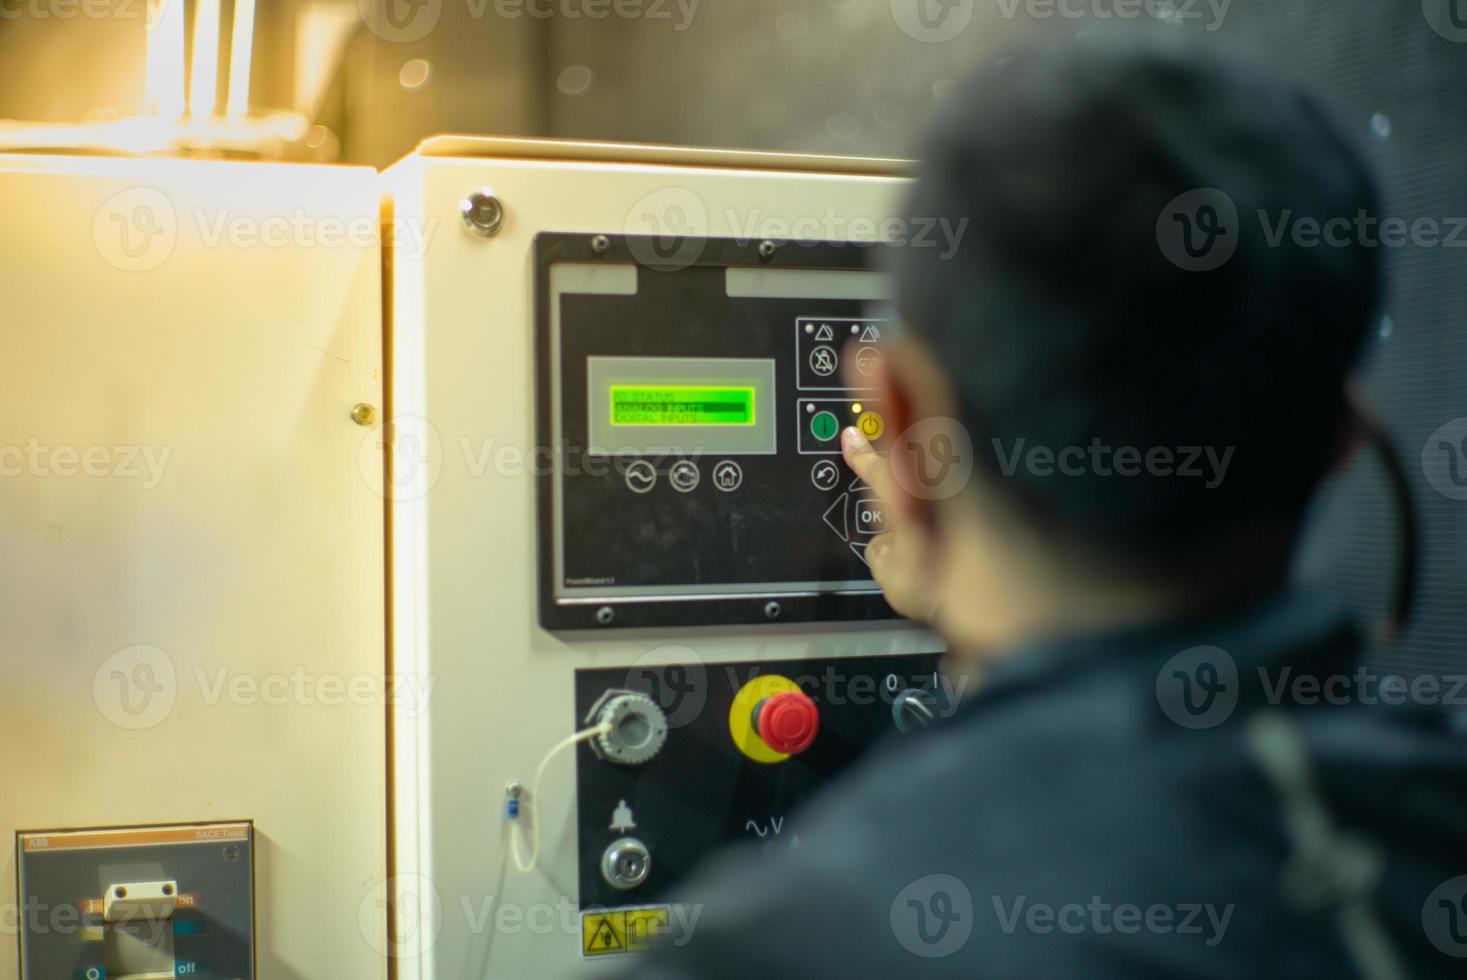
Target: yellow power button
point(872, 425)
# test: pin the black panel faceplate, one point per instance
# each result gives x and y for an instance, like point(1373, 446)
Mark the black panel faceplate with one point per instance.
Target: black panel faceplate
point(213, 938)
point(724, 555)
point(700, 793)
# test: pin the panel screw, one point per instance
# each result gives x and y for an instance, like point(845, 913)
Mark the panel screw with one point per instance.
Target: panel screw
point(483, 213)
point(363, 414)
point(513, 790)
point(600, 244)
point(767, 250)
point(771, 610)
point(605, 615)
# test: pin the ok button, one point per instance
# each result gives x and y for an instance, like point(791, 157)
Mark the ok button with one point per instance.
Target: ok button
point(870, 516)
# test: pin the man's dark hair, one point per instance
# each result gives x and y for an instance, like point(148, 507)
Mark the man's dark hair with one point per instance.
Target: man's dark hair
point(1075, 309)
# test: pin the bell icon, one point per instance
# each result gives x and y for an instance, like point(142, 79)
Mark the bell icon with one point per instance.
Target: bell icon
point(621, 818)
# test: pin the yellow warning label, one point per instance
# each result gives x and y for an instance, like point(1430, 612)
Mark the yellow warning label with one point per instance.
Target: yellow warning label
point(624, 931)
point(603, 933)
point(643, 926)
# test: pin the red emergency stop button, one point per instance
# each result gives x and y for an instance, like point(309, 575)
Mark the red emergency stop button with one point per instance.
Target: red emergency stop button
point(787, 722)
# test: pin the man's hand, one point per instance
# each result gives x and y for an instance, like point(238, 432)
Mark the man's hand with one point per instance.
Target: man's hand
point(895, 556)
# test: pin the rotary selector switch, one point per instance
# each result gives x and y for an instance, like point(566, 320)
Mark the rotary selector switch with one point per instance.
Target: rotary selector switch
point(636, 727)
point(914, 709)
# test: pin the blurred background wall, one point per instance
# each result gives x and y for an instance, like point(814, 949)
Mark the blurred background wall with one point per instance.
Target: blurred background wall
point(373, 77)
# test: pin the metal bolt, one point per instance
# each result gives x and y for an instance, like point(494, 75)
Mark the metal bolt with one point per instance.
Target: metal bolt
point(767, 250)
point(600, 244)
point(605, 615)
point(513, 790)
point(771, 610)
point(363, 414)
point(483, 213)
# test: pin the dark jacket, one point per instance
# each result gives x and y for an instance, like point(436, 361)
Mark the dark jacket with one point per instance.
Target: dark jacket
point(1151, 803)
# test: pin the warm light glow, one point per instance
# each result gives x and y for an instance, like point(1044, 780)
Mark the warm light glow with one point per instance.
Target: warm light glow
point(266, 135)
point(241, 50)
point(165, 89)
point(414, 73)
point(322, 32)
point(204, 85)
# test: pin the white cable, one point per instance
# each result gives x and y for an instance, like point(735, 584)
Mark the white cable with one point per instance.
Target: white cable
point(526, 867)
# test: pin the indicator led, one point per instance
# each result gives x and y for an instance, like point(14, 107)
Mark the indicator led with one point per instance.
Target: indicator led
point(856, 409)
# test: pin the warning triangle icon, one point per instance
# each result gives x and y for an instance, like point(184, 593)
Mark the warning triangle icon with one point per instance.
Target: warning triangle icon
point(871, 335)
point(825, 334)
point(605, 937)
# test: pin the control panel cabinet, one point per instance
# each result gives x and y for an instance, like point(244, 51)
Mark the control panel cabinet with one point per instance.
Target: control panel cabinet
point(625, 550)
point(192, 570)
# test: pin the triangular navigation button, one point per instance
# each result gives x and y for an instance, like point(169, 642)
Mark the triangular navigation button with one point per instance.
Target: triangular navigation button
point(859, 547)
point(839, 507)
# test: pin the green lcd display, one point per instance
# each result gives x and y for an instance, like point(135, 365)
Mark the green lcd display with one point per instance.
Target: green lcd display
point(681, 405)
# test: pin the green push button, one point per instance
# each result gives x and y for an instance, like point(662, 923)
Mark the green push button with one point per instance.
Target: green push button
point(824, 426)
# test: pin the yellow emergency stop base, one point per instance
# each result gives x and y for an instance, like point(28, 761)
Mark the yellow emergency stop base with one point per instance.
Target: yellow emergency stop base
point(741, 716)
